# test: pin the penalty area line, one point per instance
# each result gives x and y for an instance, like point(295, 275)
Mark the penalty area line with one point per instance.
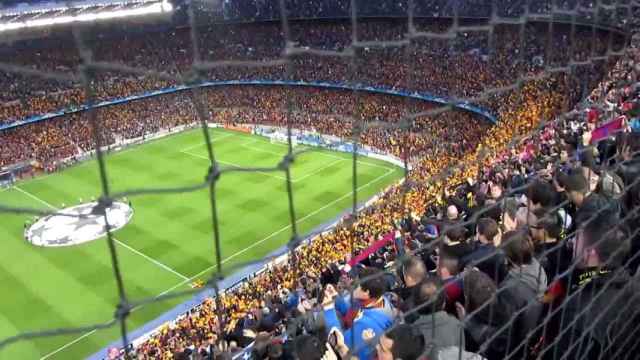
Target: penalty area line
point(224, 136)
point(324, 153)
point(321, 169)
point(234, 165)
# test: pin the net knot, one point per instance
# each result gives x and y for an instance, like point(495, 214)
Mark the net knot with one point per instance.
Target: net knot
point(213, 173)
point(102, 205)
point(123, 309)
point(286, 162)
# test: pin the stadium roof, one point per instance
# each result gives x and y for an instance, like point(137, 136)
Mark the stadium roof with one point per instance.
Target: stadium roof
point(46, 13)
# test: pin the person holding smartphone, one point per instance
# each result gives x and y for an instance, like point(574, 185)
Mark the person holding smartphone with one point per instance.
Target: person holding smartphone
point(365, 316)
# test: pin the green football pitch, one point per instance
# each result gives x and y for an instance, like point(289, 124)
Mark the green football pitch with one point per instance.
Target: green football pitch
point(169, 242)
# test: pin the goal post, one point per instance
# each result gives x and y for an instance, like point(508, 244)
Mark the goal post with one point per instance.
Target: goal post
point(6, 178)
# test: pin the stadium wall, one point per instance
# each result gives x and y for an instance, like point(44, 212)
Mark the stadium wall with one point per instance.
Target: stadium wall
point(462, 105)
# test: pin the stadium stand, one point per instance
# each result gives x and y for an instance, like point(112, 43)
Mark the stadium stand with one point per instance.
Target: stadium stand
point(536, 309)
point(513, 241)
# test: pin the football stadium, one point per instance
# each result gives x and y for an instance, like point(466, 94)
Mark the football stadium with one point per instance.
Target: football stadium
point(303, 179)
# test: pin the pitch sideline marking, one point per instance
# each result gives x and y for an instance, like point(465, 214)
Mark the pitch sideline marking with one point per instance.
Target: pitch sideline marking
point(253, 141)
point(126, 150)
point(156, 262)
point(260, 150)
point(224, 136)
point(313, 172)
point(319, 170)
point(87, 334)
point(331, 155)
point(389, 171)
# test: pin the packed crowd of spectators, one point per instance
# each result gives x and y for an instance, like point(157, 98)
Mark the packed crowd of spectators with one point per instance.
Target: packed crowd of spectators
point(502, 241)
point(532, 255)
point(495, 58)
point(49, 142)
point(585, 11)
point(574, 10)
point(329, 112)
point(338, 112)
point(420, 67)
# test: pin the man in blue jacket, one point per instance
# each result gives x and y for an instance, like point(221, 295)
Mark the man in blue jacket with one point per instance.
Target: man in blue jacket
point(363, 318)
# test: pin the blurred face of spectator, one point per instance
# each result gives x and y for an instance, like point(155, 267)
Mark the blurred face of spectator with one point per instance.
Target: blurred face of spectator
point(583, 255)
point(452, 212)
point(536, 229)
point(447, 267)
point(522, 217)
point(372, 285)
point(591, 177)
point(479, 237)
point(495, 190)
point(576, 197)
point(508, 223)
point(383, 348)
point(414, 272)
point(577, 188)
point(360, 294)
point(486, 231)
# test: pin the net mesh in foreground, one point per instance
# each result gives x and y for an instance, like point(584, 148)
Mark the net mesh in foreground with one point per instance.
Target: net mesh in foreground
point(539, 87)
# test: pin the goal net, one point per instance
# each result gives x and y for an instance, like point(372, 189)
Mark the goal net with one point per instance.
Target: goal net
point(280, 137)
point(6, 179)
point(516, 224)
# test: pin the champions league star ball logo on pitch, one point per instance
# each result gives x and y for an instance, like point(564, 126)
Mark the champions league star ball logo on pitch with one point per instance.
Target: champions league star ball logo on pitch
point(78, 224)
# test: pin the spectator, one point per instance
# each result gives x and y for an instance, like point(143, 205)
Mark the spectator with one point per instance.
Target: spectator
point(598, 293)
point(523, 286)
point(483, 316)
point(485, 256)
point(509, 214)
point(402, 342)
point(414, 271)
point(577, 188)
point(551, 249)
point(434, 145)
point(455, 241)
point(309, 347)
point(370, 315)
point(439, 328)
point(540, 195)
